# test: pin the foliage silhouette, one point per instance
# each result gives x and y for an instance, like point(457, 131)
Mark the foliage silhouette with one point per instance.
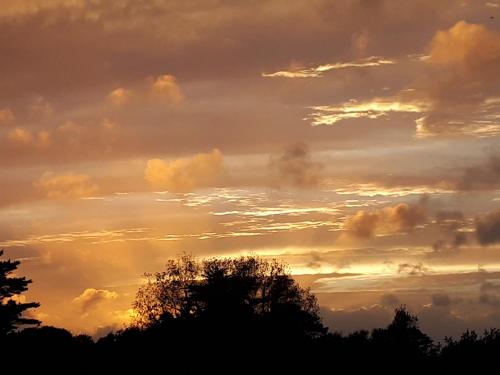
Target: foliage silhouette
point(11, 309)
point(233, 315)
point(225, 292)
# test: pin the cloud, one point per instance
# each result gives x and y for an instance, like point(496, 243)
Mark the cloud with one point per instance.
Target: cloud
point(319, 70)
point(296, 168)
point(158, 90)
point(20, 135)
point(363, 224)
point(6, 116)
point(464, 89)
point(91, 297)
point(184, 175)
point(484, 176)
point(389, 300)
point(402, 217)
point(457, 91)
point(25, 137)
point(350, 320)
point(488, 228)
point(165, 86)
point(441, 299)
point(412, 269)
point(69, 185)
point(119, 96)
point(449, 215)
point(353, 109)
point(448, 247)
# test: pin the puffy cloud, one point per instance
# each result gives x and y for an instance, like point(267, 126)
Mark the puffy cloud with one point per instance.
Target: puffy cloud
point(488, 228)
point(159, 90)
point(25, 137)
point(69, 185)
point(20, 135)
point(464, 92)
point(296, 168)
point(91, 297)
point(471, 45)
point(119, 96)
point(184, 175)
point(165, 86)
point(363, 224)
point(402, 217)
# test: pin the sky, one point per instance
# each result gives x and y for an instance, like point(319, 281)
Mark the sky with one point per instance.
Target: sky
point(355, 140)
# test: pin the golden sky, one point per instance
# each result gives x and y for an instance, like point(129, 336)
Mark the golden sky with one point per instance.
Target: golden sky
point(356, 140)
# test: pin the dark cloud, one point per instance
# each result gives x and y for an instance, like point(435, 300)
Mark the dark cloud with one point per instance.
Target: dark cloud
point(488, 287)
point(389, 300)
point(449, 215)
point(347, 321)
point(296, 168)
point(451, 246)
point(481, 177)
point(488, 228)
point(412, 269)
point(441, 299)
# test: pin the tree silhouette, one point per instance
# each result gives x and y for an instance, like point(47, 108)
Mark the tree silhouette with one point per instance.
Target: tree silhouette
point(11, 310)
point(403, 337)
point(245, 292)
point(228, 315)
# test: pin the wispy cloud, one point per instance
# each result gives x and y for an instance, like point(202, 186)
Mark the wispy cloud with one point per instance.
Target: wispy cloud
point(353, 109)
point(318, 71)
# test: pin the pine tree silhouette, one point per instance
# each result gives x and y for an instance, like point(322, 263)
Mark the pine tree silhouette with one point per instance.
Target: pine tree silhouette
point(11, 310)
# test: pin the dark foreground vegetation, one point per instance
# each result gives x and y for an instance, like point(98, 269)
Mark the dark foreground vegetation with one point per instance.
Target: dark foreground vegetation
point(232, 316)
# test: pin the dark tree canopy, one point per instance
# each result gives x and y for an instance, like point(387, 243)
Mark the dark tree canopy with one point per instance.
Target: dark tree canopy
point(11, 309)
point(242, 292)
point(229, 316)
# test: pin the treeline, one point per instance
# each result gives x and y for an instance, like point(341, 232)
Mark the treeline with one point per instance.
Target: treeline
point(231, 315)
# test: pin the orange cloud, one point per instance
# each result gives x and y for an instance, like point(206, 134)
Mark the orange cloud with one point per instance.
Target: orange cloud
point(26, 137)
point(68, 185)
point(92, 297)
point(6, 116)
point(187, 174)
point(457, 94)
point(363, 224)
point(165, 86)
point(119, 96)
point(465, 43)
point(399, 218)
point(20, 135)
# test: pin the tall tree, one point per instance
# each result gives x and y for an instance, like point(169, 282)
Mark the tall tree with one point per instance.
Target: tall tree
point(11, 308)
point(228, 293)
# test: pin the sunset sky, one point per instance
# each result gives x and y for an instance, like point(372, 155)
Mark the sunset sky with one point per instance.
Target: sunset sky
point(356, 140)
